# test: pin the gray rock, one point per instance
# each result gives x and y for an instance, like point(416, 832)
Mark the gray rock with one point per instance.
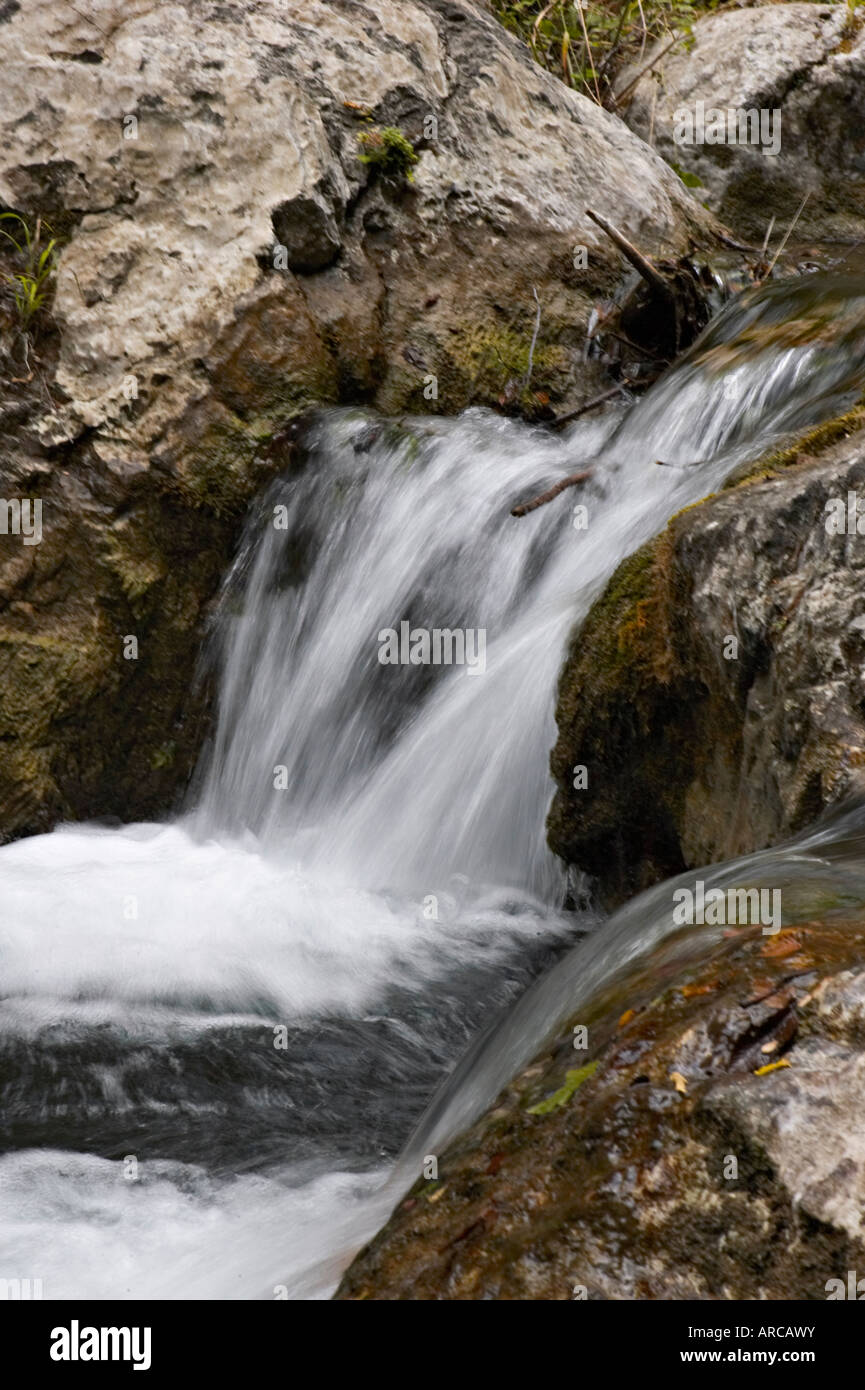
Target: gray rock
point(699, 758)
point(806, 64)
point(204, 129)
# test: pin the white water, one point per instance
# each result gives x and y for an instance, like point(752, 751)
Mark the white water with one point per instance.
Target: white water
point(304, 908)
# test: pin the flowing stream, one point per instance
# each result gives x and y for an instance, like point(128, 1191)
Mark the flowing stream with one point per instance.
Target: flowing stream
point(218, 1034)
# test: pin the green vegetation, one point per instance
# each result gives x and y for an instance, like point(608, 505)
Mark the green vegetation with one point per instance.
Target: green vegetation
point(388, 151)
point(573, 1081)
point(30, 284)
point(589, 44)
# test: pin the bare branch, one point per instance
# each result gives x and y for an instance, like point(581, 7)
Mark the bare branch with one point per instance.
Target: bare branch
point(525, 507)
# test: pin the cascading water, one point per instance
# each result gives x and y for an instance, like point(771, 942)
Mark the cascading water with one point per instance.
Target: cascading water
point(219, 1032)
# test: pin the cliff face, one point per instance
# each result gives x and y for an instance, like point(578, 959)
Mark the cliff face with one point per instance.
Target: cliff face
point(239, 240)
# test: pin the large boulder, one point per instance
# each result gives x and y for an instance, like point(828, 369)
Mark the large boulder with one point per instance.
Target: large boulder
point(801, 64)
point(716, 689)
point(232, 253)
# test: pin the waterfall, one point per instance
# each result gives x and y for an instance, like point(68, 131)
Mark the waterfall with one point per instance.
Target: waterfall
point(222, 1030)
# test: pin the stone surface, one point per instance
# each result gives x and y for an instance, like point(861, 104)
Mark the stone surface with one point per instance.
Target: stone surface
point(662, 1162)
point(695, 757)
point(174, 148)
point(806, 61)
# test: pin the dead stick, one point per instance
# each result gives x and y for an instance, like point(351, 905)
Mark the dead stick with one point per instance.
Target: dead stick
point(630, 252)
point(590, 405)
point(735, 245)
point(548, 496)
point(788, 233)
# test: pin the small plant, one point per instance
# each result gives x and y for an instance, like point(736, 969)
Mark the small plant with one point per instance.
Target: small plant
point(30, 284)
point(390, 152)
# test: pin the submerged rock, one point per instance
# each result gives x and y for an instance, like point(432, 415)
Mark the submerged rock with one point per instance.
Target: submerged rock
point(229, 258)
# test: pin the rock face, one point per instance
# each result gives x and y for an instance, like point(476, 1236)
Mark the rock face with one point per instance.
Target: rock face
point(706, 1144)
point(697, 756)
point(228, 259)
point(804, 61)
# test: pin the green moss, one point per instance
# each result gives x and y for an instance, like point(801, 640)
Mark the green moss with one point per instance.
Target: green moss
point(573, 1082)
point(135, 567)
point(494, 361)
point(618, 625)
point(812, 444)
point(389, 152)
point(163, 756)
point(214, 475)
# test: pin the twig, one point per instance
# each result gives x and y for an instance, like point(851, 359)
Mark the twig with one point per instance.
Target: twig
point(765, 247)
point(615, 44)
point(735, 245)
point(589, 53)
point(528, 376)
point(552, 492)
point(590, 405)
point(643, 266)
point(787, 234)
point(645, 31)
point(540, 19)
point(626, 91)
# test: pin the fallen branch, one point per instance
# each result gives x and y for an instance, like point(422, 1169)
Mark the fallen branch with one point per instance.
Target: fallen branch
point(640, 263)
point(571, 481)
point(590, 405)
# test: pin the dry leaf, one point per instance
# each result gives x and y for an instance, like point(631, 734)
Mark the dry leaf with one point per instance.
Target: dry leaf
point(771, 1066)
point(690, 991)
point(679, 1082)
point(626, 1017)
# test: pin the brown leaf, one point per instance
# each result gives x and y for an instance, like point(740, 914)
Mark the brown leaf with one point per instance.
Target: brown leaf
point(780, 946)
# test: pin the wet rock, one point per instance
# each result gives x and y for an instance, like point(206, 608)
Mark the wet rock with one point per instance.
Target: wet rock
point(803, 65)
point(667, 1161)
point(696, 754)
